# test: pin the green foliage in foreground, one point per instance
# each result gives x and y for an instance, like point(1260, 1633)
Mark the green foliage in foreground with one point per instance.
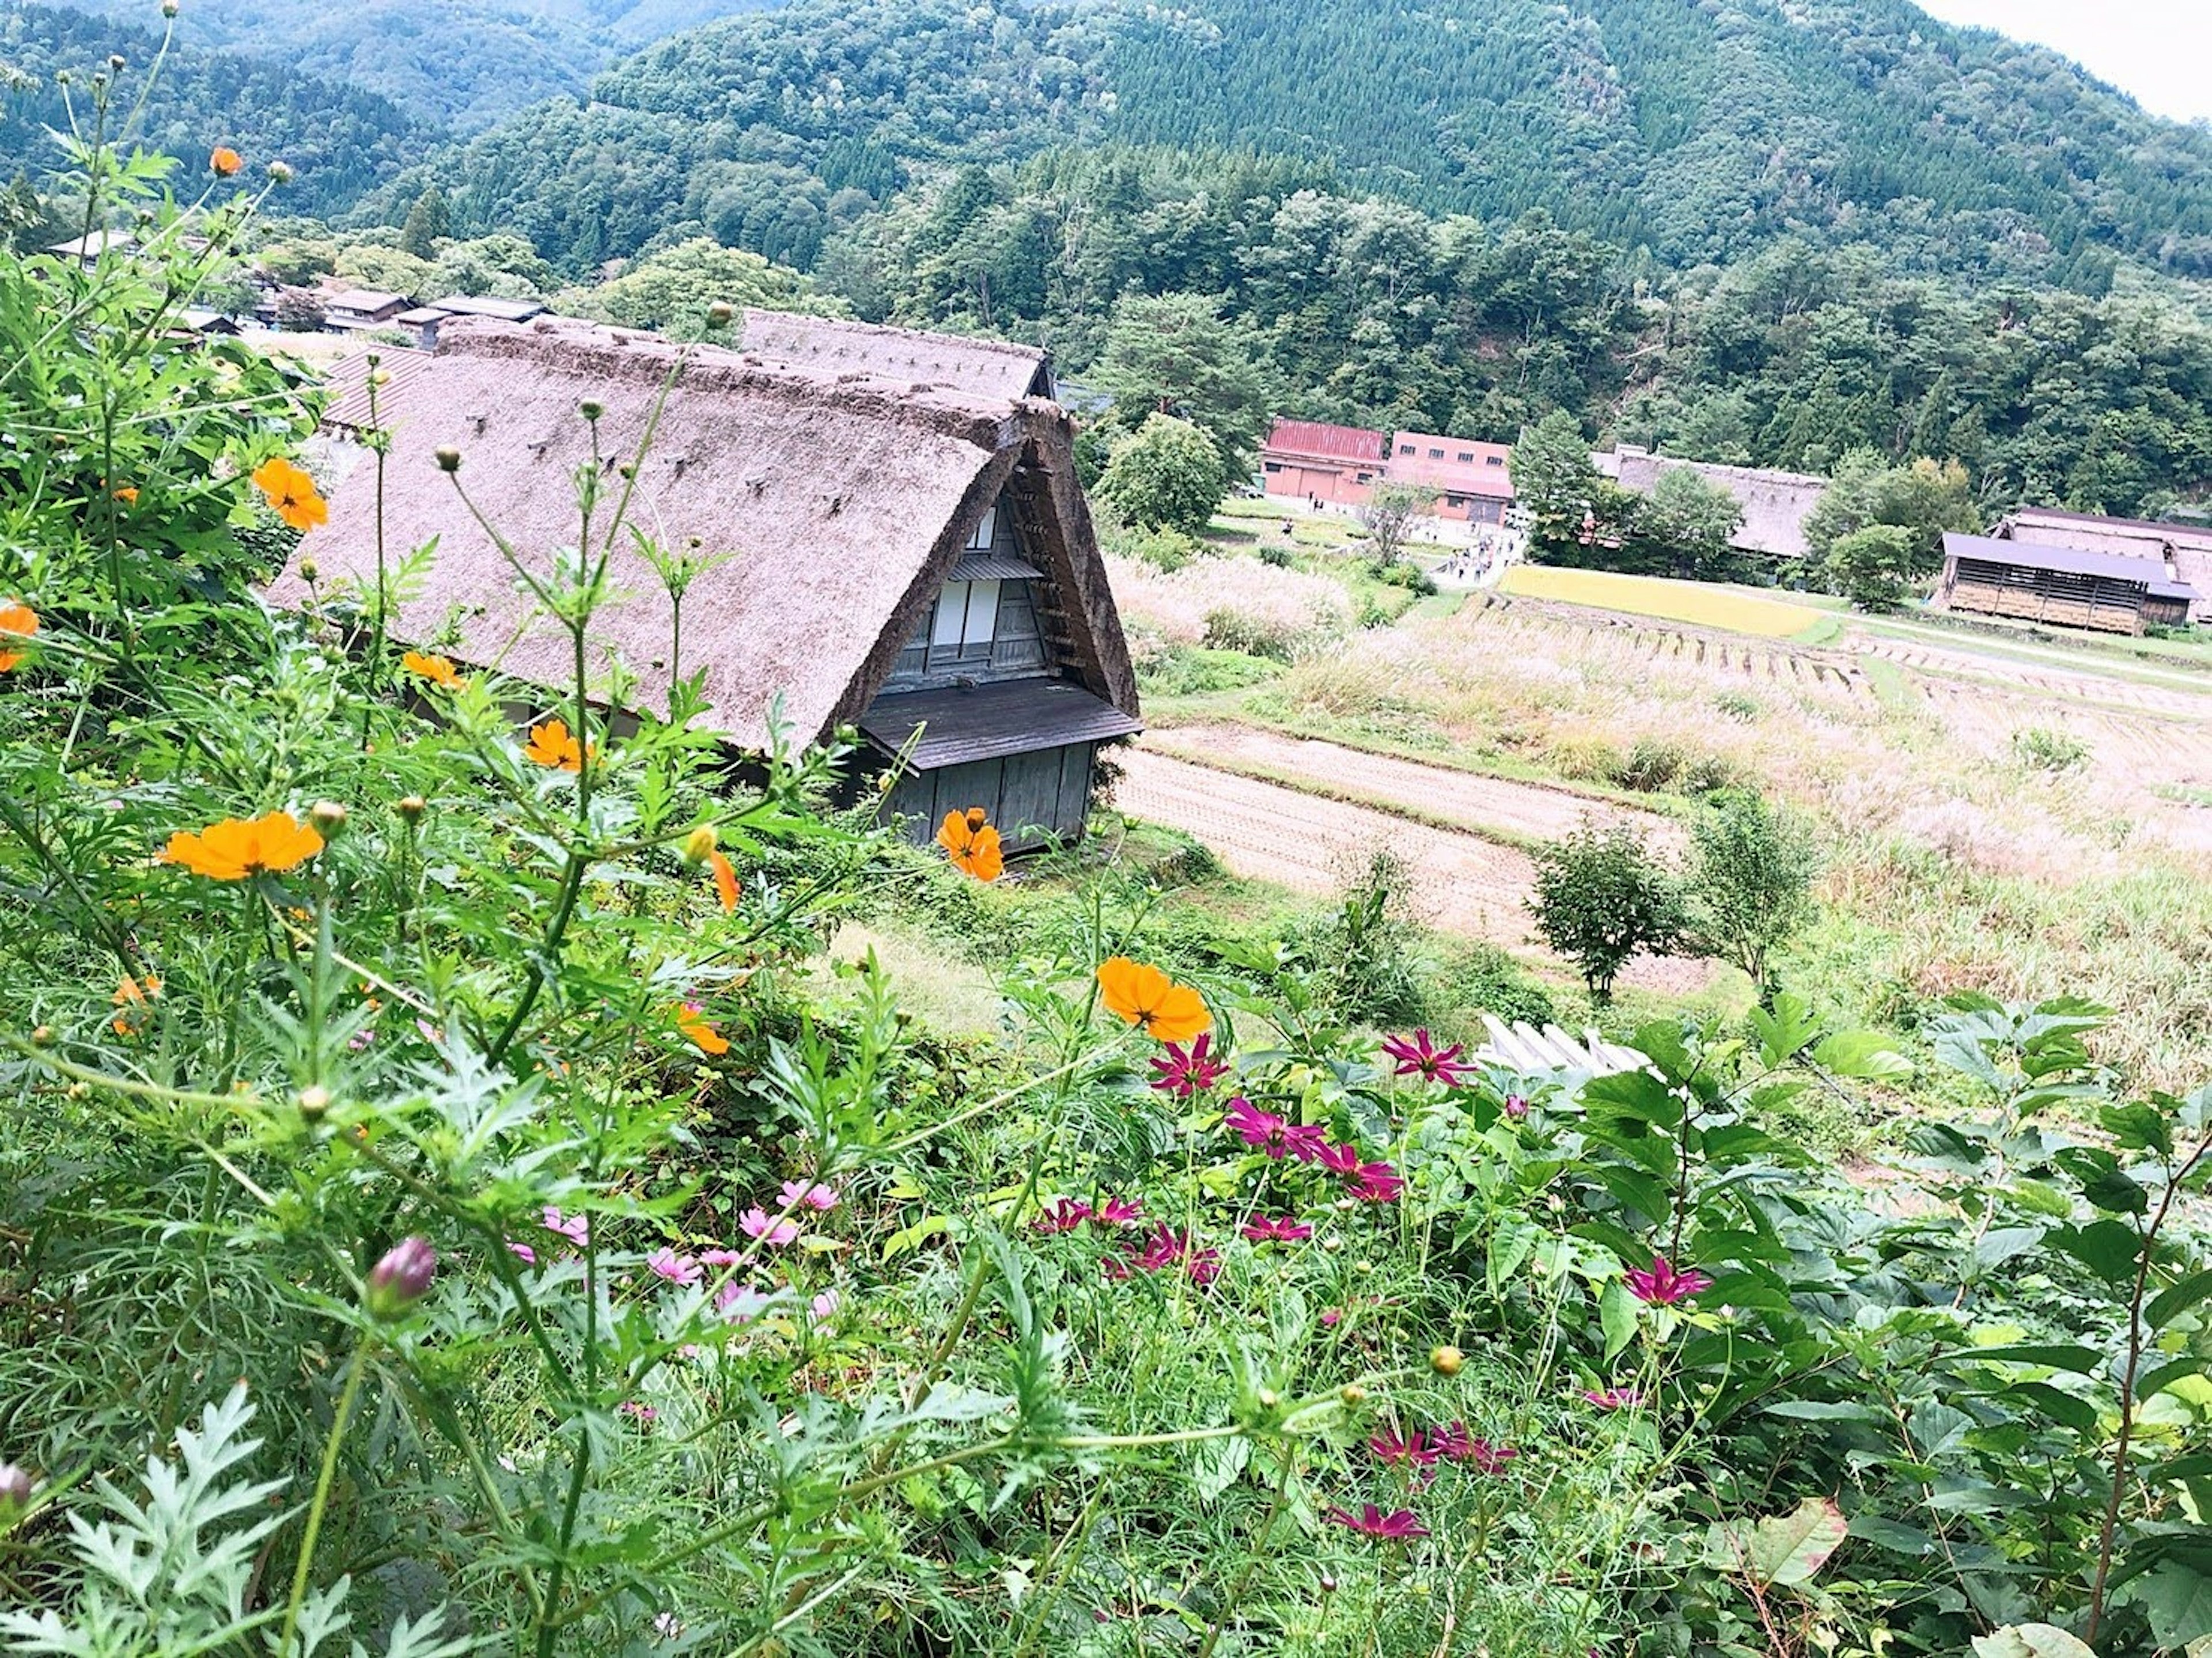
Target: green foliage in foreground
point(606, 1271)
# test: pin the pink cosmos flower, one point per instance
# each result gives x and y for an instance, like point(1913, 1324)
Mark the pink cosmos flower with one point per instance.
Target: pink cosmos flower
point(1452, 1442)
point(1184, 1072)
point(577, 1229)
point(1490, 1458)
point(720, 1257)
point(1117, 1212)
point(679, 1270)
point(1377, 1182)
point(1516, 1107)
point(1370, 1521)
point(1414, 1449)
point(1263, 1131)
point(1615, 1398)
point(1456, 1444)
point(1281, 1229)
point(1663, 1286)
point(522, 1252)
point(643, 1415)
point(738, 1302)
point(1339, 1159)
point(1331, 1317)
point(1417, 1056)
point(824, 1306)
point(1064, 1216)
point(758, 1222)
point(798, 1193)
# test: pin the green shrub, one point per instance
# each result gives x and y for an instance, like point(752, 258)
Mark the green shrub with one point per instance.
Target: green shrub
point(1600, 899)
point(2043, 749)
point(1750, 881)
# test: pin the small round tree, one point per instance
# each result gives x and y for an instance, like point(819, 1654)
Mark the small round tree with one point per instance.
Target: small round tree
point(1750, 880)
point(1600, 899)
point(1167, 476)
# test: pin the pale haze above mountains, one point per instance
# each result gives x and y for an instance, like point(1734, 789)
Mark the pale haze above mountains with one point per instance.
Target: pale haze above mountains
point(2160, 51)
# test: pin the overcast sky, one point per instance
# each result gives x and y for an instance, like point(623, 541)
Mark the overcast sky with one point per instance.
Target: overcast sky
point(2159, 50)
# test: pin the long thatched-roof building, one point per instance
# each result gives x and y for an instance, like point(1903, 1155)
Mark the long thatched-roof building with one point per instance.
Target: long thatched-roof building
point(883, 549)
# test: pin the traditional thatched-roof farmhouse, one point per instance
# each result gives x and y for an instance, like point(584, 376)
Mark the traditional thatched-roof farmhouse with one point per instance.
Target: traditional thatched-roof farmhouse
point(2185, 549)
point(914, 560)
point(1775, 504)
point(827, 345)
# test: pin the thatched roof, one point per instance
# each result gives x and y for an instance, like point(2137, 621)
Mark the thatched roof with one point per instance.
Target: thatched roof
point(1776, 504)
point(991, 369)
point(835, 506)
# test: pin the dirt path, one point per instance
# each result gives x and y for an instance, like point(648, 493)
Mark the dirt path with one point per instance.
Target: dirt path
point(1264, 831)
point(1530, 811)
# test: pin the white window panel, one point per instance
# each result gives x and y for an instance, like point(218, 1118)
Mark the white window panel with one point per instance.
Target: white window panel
point(982, 613)
point(951, 618)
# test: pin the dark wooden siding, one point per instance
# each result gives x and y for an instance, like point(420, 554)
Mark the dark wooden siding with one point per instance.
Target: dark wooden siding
point(1034, 798)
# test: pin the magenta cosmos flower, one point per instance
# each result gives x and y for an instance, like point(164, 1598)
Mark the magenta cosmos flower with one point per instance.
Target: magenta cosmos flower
point(1418, 1056)
point(400, 1278)
point(1185, 1072)
point(1063, 1215)
point(1371, 1522)
point(1280, 1228)
point(1117, 1212)
point(679, 1270)
point(1263, 1131)
point(1340, 1160)
point(1414, 1448)
point(1663, 1286)
point(1377, 1182)
point(577, 1229)
point(1516, 1107)
point(1615, 1398)
point(1164, 1248)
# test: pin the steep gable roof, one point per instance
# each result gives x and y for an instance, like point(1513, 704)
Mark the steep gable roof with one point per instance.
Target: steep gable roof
point(829, 345)
point(833, 506)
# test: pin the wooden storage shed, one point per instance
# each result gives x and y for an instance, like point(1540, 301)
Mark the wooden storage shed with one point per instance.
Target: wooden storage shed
point(908, 557)
point(2065, 586)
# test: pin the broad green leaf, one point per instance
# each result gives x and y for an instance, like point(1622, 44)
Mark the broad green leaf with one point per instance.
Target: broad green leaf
point(1616, 1315)
point(1861, 1053)
point(2172, 1303)
point(2030, 1641)
point(2105, 1246)
point(1781, 1551)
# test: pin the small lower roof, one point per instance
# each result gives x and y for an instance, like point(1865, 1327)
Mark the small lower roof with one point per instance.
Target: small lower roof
point(989, 722)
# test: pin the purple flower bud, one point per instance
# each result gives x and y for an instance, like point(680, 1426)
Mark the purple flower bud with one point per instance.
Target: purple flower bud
point(15, 1492)
point(397, 1282)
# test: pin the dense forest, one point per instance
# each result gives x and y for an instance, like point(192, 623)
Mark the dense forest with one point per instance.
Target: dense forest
point(338, 139)
point(1701, 132)
point(463, 64)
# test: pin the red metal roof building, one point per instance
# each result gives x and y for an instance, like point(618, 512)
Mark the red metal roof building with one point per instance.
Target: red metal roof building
point(1471, 479)
point(1313, 461)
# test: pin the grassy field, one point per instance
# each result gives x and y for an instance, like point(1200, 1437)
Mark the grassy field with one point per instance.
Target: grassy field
point(1698, 603)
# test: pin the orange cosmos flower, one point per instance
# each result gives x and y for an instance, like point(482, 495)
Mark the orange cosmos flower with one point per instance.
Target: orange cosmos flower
point(225, 160)
point(17, 622)
point(438, 670)
point(1142, 995)
point(238, 848)
point(132, 995)
point(973, 843)
point(127, 494)
point(291, 492)
point(553, 744)
point(700, 1030)
point(726, 881)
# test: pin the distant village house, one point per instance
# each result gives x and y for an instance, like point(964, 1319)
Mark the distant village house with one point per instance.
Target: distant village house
point(2063, 586)
point(1312, 461)
point(2185, 549)
point(898, 538)
point(1776, 504)
point(1471, 479)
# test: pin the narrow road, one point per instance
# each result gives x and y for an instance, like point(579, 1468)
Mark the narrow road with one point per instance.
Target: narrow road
point(1264, 831)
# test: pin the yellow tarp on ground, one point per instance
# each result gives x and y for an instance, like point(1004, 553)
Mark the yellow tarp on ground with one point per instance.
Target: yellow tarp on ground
point(1694, 602)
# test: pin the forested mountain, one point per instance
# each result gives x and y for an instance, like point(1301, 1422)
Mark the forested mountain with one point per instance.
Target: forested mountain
point(464, 63)
point(1702, 131)
point(338, 139)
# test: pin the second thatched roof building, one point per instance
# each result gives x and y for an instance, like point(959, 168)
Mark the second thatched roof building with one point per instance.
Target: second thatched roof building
point(910, 556)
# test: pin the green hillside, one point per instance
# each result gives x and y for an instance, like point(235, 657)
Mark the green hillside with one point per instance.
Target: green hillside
point(464, 63)
point(338, 139)
point(1702, 132)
